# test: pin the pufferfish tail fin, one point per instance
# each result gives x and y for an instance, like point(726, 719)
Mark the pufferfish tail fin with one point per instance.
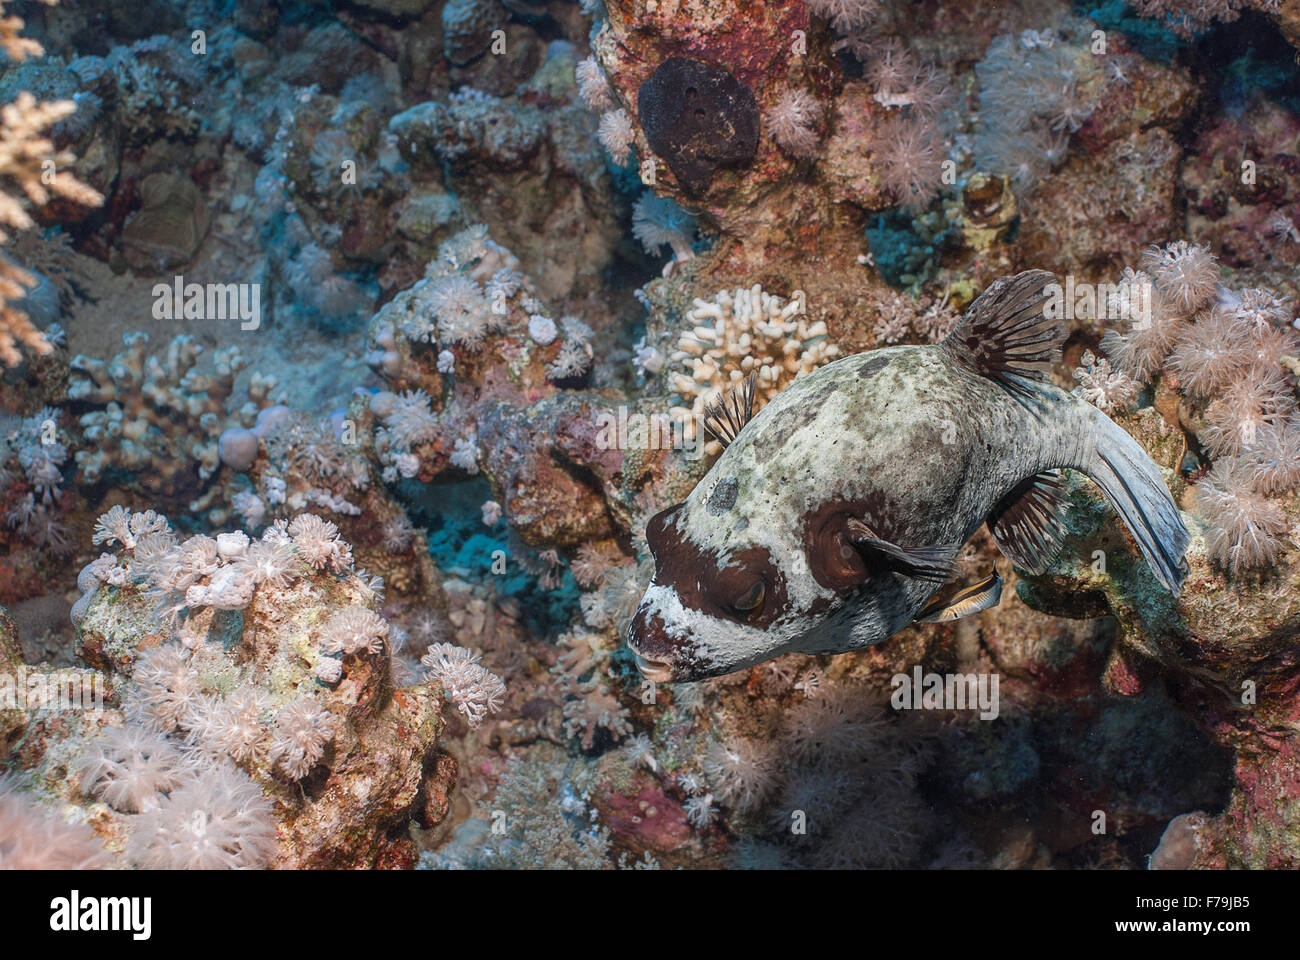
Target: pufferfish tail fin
point(1134, 486)
point(1006, 334)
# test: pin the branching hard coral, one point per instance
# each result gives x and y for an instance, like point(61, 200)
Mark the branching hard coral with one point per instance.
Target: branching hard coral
point(475, 690)
point(32, 839)
point(1245, 528)
point(911, 155)
point(29, 162)
point(302, 730)
point(160, 415)
point(127, 767)
point(738, 332)
point(217, 821)
point(792, 121)
point(36, 446)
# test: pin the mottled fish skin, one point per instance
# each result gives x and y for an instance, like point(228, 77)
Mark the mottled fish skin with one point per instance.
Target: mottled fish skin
point(912, 442)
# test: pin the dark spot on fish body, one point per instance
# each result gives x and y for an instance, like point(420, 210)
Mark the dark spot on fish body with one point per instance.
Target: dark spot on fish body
point(723, 497)
point(872, 365)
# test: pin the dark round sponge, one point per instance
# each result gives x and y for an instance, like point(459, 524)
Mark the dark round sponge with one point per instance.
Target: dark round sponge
point(698, 118)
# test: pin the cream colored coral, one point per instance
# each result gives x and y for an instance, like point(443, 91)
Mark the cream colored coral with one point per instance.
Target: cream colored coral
point(740, 331)
point(18, 48)
point(29, 160)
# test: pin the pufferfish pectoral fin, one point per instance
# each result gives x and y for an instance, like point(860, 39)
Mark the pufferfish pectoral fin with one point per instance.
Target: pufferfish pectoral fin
point(1028, 523)
point(934, 564)
point(975, 598)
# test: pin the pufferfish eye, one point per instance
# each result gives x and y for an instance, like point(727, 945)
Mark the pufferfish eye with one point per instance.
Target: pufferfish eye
point(751, 599)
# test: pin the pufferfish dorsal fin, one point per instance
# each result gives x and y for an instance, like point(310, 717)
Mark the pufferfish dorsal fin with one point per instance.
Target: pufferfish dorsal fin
point(933, 564)
point(1028, 523)
point(1006, 334)
point(727, 413)
point(973, 599)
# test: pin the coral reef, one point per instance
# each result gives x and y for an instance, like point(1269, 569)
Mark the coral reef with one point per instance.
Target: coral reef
point(347, 350)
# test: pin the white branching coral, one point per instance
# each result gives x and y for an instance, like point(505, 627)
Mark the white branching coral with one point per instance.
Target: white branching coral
point(474, 689)
point(302, 730)
point(739, 332)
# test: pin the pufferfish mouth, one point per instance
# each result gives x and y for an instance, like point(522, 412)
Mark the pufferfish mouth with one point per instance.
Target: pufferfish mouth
point(656, 671)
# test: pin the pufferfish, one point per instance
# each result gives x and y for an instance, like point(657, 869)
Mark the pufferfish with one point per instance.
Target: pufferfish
point(833, 516)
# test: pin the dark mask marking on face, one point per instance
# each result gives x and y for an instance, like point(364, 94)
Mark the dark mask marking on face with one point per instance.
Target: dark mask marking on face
point(723, 497)
point(704, 584)
point(833, 559)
